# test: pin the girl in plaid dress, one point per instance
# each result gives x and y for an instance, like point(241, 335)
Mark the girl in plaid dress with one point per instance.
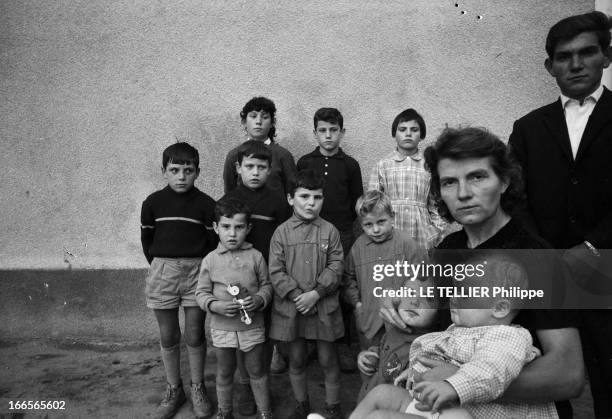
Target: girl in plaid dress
point(403, 177)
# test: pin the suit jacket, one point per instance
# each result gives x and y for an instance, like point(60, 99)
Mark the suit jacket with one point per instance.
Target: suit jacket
point(570, 200)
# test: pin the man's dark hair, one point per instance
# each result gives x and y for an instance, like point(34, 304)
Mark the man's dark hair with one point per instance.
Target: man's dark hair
point(468, 143)
point(572, 26)
point(307, 179)
point(261, 104)
point(255, 150)
point(180, 153)
point(406, 116)
point(228, 207)
point(331, 115)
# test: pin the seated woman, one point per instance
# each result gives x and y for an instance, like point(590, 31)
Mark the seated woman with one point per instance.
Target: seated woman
point(475, 183)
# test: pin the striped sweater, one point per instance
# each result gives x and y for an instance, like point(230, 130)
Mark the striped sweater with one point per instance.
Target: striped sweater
point(177, 225)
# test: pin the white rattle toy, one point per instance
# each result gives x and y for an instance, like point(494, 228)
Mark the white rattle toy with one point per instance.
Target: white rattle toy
point(244, 316)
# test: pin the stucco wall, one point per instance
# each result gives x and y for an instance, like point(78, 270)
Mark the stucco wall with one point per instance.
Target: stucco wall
point(92, 92)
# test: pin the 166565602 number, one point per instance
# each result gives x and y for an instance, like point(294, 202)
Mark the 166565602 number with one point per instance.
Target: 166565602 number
point(37, 405)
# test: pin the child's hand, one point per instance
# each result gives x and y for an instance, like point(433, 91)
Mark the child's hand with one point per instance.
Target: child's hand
point(225, 308)
point(435, 394)
point(367, 362)
point(252, 303)
point(404, 377)
point(306, 301)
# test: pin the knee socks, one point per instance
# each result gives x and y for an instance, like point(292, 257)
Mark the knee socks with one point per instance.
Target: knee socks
point(197, 356)
point(171, 358)
point(298, 383)
point(332, 393)
point(261, 393)
point(224, 396)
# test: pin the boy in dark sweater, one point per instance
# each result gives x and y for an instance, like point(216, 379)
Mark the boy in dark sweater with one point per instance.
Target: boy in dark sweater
point(176, 233)
point(343, 186)
point(269, 209)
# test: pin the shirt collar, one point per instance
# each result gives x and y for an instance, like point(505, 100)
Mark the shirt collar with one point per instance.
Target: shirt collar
point(222, 249)
point(593, 96)
point(339, 155)
point(295, 222)
point(397, 156)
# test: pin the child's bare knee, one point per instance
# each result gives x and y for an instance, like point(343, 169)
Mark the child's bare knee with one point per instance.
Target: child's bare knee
point(225, 374)
point(297, 365)
point(194, 336)
point(169, 337)
point(255, 370)
point(297, 369)
point(254, 364)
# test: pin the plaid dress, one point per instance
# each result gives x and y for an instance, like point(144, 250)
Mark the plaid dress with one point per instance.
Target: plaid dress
point(406, 181)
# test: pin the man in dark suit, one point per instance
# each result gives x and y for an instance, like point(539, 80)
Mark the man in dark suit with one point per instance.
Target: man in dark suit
point(565, 150)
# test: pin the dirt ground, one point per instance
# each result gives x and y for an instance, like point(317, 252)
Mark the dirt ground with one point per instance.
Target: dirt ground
point(103, 379)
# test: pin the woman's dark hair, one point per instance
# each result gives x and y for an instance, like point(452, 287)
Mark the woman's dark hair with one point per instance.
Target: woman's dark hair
point(468, 143)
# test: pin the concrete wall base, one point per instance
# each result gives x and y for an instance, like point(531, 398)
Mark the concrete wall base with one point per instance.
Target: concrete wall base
point(76, 305)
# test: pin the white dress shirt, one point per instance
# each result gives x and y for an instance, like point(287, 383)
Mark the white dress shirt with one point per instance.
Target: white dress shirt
point(577, 115)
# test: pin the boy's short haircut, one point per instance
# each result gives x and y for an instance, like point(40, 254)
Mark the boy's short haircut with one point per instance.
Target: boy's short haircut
point(372, 201)
point(331, 115)
point(228, 207)
point(570, 27)
point(255, 150)
point(181, 153)
point(406, 116)
point(307, 179)
point(257, 104)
